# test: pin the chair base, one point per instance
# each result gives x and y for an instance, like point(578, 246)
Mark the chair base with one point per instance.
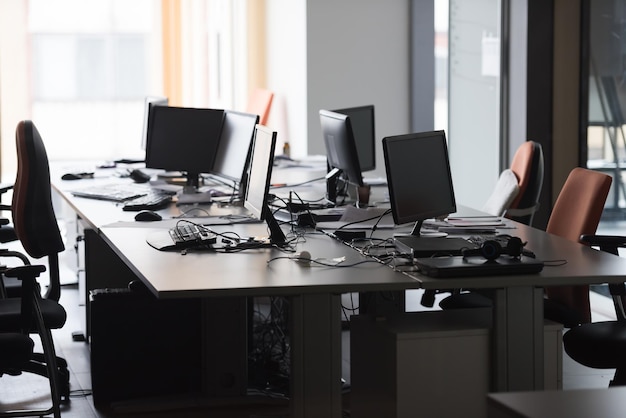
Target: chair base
point(38, 366)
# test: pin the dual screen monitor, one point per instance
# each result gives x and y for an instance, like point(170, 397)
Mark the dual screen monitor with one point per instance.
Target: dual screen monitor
point(195, 141)
point(417, 167)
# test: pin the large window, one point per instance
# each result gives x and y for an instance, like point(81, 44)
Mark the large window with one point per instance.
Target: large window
point(80, 69)
point(606, 140)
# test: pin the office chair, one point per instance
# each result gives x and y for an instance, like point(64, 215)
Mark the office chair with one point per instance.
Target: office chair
point(528, 166)
point(520, 205)
point(601, 345)
point(576, 212)
point(260, 103)
point(37, 229)
point(19, 317)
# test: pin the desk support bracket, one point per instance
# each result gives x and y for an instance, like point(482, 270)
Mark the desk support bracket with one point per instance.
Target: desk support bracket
point(316, 343)
point(519, 355)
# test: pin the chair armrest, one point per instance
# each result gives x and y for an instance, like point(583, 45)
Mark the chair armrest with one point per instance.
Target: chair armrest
point(608, 243)
point(25, 273)
point(5, 187)
point(518, 212)
point(30, 292)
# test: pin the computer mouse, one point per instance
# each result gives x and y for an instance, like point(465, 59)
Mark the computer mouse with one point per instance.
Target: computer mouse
point(70, 176)
point(147, 216)
point(139, 176)
point(76, 176)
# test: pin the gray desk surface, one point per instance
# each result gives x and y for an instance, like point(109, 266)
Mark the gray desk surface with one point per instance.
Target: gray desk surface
point(583, 403)
point(248, 273)
point(518, 300)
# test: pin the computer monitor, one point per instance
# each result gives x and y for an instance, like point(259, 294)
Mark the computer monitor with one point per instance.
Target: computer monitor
point(149, 102)
point(363, 127)
point(419, 178)
point(233, 151)
point(341, 151)
point(183, 139)
point(256, 199)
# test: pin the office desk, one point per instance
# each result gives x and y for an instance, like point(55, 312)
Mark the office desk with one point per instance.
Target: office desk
point(518, 309)
point(518, 302)
point(314, 293)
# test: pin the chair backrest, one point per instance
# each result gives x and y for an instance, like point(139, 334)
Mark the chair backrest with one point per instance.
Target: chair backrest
point(33, 215)
point(528, 166)
point(576, 212)
point(503, 194)
point(260, 103)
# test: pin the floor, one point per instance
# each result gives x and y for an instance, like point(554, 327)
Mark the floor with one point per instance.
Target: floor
point(14, 392)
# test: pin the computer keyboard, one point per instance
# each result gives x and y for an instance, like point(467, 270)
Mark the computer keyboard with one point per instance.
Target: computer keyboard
point(153, 199)
point(112, 192)
point(189, 235)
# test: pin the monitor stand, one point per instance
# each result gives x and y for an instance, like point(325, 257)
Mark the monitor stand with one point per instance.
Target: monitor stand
point(417, 232)
point(190, 194)
point(276, 238)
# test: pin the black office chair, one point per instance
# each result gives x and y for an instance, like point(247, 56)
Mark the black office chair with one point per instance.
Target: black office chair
point(37, 229)
point(602, 345)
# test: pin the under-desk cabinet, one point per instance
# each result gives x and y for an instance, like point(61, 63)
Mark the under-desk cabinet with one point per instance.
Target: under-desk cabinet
point(429, 364)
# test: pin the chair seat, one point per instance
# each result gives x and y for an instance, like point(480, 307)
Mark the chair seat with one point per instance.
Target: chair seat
point(466, 300)
point(600, 345)
point(53, 313)
point(17, 350)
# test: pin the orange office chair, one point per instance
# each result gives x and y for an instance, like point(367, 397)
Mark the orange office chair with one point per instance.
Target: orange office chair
point(528, 167)
point(260, 103)
point(576, 212)
point(601, 345)
point(519, 203)
point(37, 229)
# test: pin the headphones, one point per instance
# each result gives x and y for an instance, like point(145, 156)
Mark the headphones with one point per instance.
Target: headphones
point(492, 249)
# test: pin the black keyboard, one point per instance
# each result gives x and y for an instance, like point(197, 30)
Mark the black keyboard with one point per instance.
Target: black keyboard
point(153, 199)
point(189, 235)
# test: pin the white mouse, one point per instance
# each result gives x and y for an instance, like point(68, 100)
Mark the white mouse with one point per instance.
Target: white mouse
point(303, 257)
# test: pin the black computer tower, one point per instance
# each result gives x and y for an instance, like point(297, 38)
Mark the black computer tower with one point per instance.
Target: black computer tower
point(143, 347)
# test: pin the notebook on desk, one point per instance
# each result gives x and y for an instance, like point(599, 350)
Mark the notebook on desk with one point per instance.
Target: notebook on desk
point(430, 246)
point(458, 266)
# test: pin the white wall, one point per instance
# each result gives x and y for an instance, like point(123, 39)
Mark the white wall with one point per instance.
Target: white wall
point(287, 71)
point(329, 54)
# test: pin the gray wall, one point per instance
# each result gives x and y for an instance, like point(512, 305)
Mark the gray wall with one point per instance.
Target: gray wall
point(347, 53)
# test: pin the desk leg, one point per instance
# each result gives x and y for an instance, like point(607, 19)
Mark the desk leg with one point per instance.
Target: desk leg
point(316, 356)
point(518, 339)
point(103, 269)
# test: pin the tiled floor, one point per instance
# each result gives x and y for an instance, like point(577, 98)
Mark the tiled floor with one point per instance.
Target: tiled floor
point(81, 405)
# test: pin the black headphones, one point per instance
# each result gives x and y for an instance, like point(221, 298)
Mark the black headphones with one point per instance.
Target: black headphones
point(492, 249)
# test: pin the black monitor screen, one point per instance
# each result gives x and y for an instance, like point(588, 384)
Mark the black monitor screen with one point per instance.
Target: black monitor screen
point(340, 145)
point(149, 103)
point(183, 139)
point(418, 175)
point(362, 120)
point(233, 151)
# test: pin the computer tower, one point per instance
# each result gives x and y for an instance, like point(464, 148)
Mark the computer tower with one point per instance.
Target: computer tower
point(143, 347)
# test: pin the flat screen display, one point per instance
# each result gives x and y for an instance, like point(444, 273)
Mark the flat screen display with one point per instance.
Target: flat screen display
point(149, 102)
point(261, 162)
point(340, 145)
point(183, 139)
point(233, 150)
point(418, 175)
point(363, 127)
